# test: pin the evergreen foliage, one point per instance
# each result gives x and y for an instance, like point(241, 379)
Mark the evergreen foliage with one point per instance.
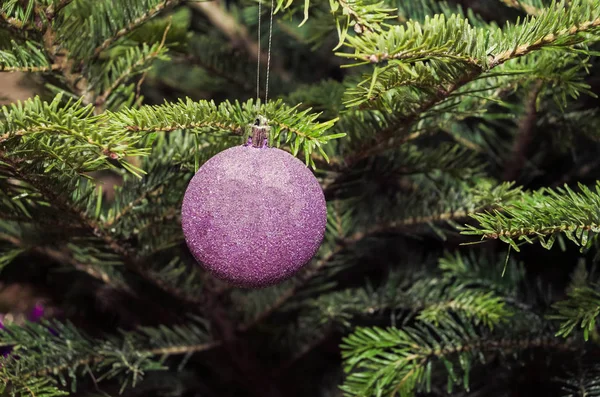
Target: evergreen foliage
point(450, 138)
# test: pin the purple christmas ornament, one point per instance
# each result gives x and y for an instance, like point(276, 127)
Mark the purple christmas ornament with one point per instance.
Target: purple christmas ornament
point(254, 215)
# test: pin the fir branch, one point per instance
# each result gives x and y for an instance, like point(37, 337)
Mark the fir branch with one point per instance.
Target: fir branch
point(219, 60)
point(68, 351)
point(77, 135)
point(125, 69)
point(289, 125)
point(363, 16)
point(554, 69)
point(557, 26)
point(483, 198)
point(70, 40)
point(580, 309)
point(484, 272)
point(236, 33)
point(71, 210)
point(25, 56)
point(92, 359)
point(550, 39)
point(471, 289)
point(14, 386)
point(160, 7)
point(476, 306)
point(433, 202)
point(155, 192)
point(399, 361)
point(581, 381)
point(383, 137)
point(542, 215)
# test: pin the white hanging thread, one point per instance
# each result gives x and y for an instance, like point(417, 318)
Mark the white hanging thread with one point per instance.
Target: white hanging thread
point(268, 52)
point(258, 56)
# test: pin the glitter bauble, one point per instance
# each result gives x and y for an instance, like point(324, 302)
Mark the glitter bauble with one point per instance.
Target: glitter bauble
point(253, 216)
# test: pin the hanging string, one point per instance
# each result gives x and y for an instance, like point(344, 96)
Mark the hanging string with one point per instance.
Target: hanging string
point(258, 57)
point(268, 53)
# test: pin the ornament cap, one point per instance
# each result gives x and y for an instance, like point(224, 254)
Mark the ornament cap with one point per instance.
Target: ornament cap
point(260, 133)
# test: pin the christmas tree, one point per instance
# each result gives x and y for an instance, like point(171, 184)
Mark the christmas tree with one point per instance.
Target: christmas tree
point(456, 144)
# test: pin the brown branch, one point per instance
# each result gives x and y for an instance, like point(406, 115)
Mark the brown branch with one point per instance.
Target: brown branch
point(509, 344)
point(12, 22)
point(234, 129)
point(420, 358)
point(527, 8)
point(185, 349)
point(171, 350)
point(525, 49)
point(236, 33)
point(60, 57)
point(33, 69)
point(413, 221)
point(530, 231)
point(52, 10)
point(524, 135)
point(411, 55)
point(63, 258)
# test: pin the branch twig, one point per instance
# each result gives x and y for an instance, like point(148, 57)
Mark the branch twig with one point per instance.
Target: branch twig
point(235, 32)
point(62, 257)
point(524, 135)
point(134, 24)
point(33, 69)
point(527, 8)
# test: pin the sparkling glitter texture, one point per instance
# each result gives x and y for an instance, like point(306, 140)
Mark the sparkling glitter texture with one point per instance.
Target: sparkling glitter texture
point(253, 216)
